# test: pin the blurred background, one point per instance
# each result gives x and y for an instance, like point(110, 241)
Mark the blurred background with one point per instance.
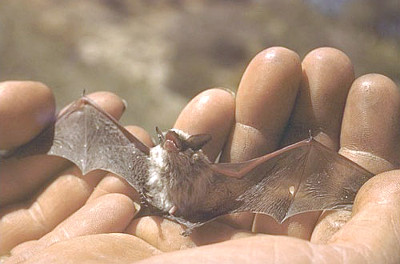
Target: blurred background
point(159, 54)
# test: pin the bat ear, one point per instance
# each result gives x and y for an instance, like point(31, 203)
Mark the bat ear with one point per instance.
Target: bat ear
point(196, 142)
point(160, 135)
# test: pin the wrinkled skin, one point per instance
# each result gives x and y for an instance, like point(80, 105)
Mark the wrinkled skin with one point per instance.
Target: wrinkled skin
point(50, 212)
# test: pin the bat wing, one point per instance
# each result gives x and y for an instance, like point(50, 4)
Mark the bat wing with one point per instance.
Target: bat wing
point(92, 139)
point(305, 176)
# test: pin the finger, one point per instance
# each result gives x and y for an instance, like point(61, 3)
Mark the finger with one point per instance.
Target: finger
point(20, 177)
point(114, 184)
point(107, 214)
point(370, 135)
point(210, 112)
point(328, 224)
point(33, 219)
point(26, 108)
point(371, 125)
point(264, 101)
point(100, 248)
point(141, 134)
point(327, 77)
point(166, 235)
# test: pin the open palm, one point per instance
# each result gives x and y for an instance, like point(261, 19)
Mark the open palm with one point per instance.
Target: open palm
point(49, 212)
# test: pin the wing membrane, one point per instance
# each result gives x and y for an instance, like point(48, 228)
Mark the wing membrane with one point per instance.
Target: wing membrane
point(304, 177)
point(92, 139)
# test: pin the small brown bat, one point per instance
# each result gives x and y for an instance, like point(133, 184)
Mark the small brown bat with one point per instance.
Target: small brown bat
point(176, 179)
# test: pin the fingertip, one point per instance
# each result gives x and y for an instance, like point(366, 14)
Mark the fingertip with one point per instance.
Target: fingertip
point(278, 55)
point(141, 134)
point(210, 112)
point(330, 56)
point(206, 102)
point(331, 73)
point(26, 108)
point(382, 190)
point(109, 102)
point(377, 86)
point(269, 86)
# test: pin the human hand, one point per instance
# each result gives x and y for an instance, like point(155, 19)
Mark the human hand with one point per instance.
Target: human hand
point(269, 86)
point(44, 200)
point(361, 123)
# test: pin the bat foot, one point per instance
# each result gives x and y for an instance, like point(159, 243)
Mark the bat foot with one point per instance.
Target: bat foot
point(173, 210)
point(187, 232)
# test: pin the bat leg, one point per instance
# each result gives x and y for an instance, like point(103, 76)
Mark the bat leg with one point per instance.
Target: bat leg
point(173, 210)
point(187, 231)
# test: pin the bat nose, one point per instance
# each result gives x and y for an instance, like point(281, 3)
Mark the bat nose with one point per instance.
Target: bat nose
point(170, 146)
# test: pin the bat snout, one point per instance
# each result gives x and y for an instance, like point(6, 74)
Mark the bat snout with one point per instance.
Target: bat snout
point(170, 146)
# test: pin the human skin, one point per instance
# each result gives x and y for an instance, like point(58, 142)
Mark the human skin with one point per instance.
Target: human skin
point(50, 212)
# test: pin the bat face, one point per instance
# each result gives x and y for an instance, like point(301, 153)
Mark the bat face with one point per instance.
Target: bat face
point(176, 179)
point(179, 172)
point(175, 140)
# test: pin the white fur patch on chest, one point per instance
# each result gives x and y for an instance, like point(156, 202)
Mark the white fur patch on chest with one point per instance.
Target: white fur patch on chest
point(158, 189)
point(157, 156)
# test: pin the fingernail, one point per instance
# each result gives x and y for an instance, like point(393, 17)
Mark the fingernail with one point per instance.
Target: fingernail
point(227, 90)
point(125, 103)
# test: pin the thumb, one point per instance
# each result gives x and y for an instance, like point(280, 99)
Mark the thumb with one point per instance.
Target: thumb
point(375, 225)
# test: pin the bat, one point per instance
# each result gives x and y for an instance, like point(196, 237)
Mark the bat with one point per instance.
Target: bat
point(176, 180)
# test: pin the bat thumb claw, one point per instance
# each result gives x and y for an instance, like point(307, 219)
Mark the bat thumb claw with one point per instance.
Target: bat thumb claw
point(138, 207)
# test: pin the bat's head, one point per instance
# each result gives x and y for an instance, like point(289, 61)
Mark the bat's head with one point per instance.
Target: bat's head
point(175, 140)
